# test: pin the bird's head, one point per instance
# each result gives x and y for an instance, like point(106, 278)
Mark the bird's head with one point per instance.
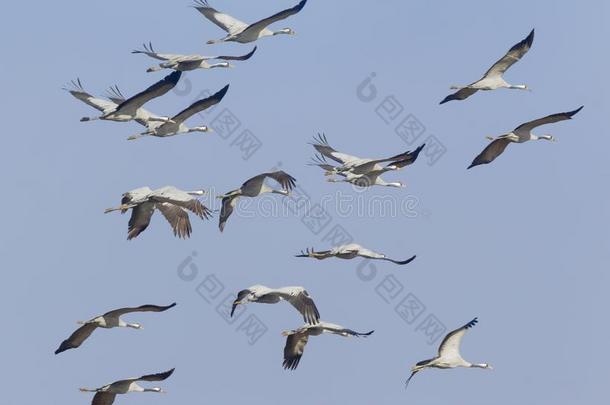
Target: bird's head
point(202, 128)
point(135, 326)
point(244, 296)
point(287, 31)
point(155, 389)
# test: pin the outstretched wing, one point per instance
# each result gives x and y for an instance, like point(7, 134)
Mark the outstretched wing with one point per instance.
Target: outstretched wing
point(304, 304)
point(293, 350)
point(175, 196)
point(228, 204)
point(77, 338)
point(242, 57)
point(141, 308)
point(512, 56)
point(157, 377)
point(549, 119)
point(140, 219)
point(262, 24)
point(322, 146)
point(449, 348)
point(491, 152)
point(461, 94)
point(177, 218)
point(76, 89)
point(229, 24)
point(158, 89)
point(103, 398)
point(284, 179)
point(150, 51)
point(200, 105)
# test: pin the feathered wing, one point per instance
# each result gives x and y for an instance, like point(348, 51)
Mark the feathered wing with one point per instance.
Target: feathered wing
point(177, 218)
point(200, 105)
point(175, 196)
point(77, 337)
point(224, 21)
point(157, 377)
point(142, 117)
point(149, 51)
point(103, 398)
point(323, 147)
point(140, 219)
point(293, 350)
point(262, 24)
point(449, 348)
point(141, 308)
point(549, 119)
point(284, 179)
point(132, 104)
point(512, 56)
point(242, 57)
point(79, 92)
point(228, 204)
point(461, 94)
point(491, 152)
point(304, 304)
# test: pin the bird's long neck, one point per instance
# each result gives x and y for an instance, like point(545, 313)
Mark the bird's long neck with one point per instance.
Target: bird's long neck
point(517, 86)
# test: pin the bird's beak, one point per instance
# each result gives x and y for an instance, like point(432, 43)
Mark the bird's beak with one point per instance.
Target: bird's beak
point(210, 129)
point(132, 137)
point(491, 138)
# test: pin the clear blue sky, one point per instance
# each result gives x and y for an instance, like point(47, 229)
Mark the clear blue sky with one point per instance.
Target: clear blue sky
point(522, 243)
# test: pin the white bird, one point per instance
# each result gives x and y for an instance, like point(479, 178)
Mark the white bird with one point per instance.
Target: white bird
point(105, 395)
point(521, 134)
point(298, 297)
point(109, 320)
point(355, 165)
point(115, 98)
point(493, 79)
point(185, 63)
point(253, 188)
point(297, 340)
point(176, 125)
point(128, 109)
point(239, 31)
point(350, 251)
point(172, 203)
point(449, 353)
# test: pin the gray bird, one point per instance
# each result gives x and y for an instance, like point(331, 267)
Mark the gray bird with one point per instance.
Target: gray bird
point(493, 79)
point(105, 395)
point(297, 340)
point(108, 320)
point(521, 134)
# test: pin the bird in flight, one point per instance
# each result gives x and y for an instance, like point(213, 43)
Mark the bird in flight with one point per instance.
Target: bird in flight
point(129, 108)
point(362, 172)
point(254, 187)
point(351, 251)
point(108, 320)
point(239, 31)
point(296, 340)
point(521, 134)
point(176, 125)
point(171, 201)
point(298, 297)
point(185, 63)
point(105, 395)
point(449, 354)
point(493, 79)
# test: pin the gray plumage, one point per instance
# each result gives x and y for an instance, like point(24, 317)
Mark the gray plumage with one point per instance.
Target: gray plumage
point(297, 339)
point(111, 319)
point(493, 79)
point(521, 134)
